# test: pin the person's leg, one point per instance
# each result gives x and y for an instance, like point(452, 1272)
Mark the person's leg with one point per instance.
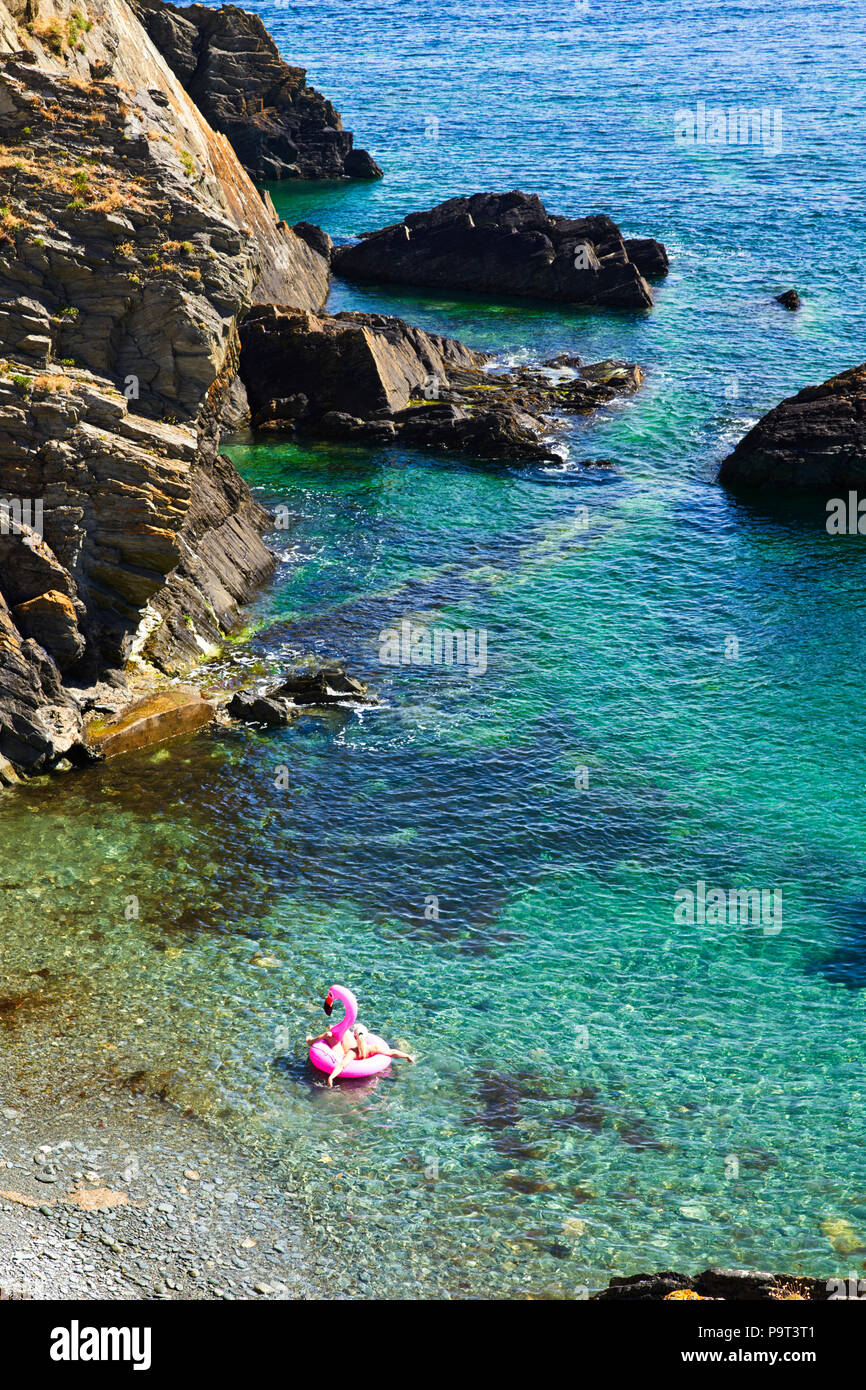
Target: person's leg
point(341, 1063)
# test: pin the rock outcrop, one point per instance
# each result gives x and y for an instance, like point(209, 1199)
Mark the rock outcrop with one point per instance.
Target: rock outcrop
point(317, 689)
point(726, 1284)
point(280, 128)
point(376, 379)
point(131, 239)
point(812, 442)
point(507, 243)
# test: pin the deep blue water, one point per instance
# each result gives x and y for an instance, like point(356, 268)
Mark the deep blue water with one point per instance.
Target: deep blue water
point(602, 1088)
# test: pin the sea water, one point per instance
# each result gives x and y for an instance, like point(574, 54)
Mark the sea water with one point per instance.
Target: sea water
point(500, 862)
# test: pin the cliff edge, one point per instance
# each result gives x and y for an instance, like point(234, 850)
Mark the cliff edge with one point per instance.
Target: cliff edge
point(131, 240)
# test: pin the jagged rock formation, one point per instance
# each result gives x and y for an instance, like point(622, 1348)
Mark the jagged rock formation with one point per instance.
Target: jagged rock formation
point(812, 442)
point(376, 379)
point(507, 243)
point(131, 239)
point(328, 685)
point(280, 128)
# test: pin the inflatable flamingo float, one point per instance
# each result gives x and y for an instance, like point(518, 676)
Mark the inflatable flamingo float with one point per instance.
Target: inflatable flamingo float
point(325, 1058)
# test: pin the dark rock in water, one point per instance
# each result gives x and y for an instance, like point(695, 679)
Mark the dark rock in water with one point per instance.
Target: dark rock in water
point(280, 128)
point(650, 256)
point(327, 686)
point(726, 1284)
point(359, 364)
point(359, 164)
point(789, 300)
point(506, 244)
point(372, 379)
point(812, 442)
point(564, 359)
point(258, 709)
point(315, 237)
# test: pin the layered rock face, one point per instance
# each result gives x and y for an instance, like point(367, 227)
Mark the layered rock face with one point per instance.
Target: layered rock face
point(507, 243)
point(364, 364)
point(130, 241)
point(376, 379)
point(129, 220)
point(280, 128)
point(812, 442)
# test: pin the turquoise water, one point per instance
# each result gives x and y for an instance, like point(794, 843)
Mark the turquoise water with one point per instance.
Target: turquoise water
point(600, 1089)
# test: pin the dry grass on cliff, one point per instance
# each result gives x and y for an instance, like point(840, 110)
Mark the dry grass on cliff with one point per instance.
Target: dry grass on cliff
point(59, 35)
point(95, 187)
point(53, 383)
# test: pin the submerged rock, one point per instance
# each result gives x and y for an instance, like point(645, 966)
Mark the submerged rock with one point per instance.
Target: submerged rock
point(812, 442)
point(374, 379)
point(727, 1284)
point(150, 720)
point(279, 127)
point(508, 244)
point(789, 300)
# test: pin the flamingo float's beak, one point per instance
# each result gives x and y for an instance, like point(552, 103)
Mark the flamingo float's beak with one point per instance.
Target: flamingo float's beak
point(329, 1004)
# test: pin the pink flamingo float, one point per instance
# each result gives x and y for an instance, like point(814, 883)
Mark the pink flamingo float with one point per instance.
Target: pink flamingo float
point(325, 1057)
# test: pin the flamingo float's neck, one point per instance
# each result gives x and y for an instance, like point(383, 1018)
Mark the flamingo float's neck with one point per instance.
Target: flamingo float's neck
point(347, 998)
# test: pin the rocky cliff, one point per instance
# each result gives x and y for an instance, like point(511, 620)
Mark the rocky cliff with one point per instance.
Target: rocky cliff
point(812, 442)
point(131, 240)
point(280, 128)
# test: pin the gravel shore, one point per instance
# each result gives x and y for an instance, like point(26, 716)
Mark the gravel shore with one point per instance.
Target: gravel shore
point(126, 1199)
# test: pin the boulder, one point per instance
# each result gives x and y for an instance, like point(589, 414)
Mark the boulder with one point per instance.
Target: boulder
point(327, 686)
point(507, 244)
point(258, 709)
point(315, 237)
point(789, 300)
point(650, 256)
point(812, 442)
point(152, 719)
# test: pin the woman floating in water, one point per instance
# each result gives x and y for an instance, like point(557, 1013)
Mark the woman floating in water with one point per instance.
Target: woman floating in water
point(348, 1048)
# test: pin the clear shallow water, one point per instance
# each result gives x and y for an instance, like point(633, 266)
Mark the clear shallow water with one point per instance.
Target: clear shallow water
point(601, 1090)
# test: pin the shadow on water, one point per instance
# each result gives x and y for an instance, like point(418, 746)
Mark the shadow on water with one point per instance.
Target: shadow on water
point(846, 963)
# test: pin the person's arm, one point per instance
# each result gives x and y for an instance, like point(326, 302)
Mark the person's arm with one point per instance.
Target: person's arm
point(405, 1056)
